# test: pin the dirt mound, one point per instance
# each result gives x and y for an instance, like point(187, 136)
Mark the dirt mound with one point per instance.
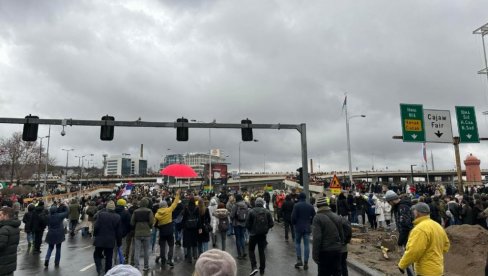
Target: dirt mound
point(469, 250)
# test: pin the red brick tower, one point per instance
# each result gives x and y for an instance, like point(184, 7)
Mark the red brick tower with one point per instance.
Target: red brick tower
point(473, 172)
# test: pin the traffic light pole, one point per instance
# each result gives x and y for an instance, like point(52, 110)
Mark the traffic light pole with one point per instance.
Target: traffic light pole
point(301, 128)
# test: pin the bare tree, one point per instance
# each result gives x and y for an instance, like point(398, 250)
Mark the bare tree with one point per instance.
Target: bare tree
point(20, 159)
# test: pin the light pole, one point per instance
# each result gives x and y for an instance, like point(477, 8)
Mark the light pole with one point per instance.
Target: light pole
point(349, 141)
point(411, 173)
point(255, 140)
point(209, 152)
point(47, 159)
point(66, 169)
point(40, 158)
point(264, 164)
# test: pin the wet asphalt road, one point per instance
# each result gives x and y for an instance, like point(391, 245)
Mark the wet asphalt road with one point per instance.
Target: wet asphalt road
point(77, 259)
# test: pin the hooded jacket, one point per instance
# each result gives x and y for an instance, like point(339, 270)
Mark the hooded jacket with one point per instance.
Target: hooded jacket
point(55, 232)
point(9, 240)
point(142, 219)
point(427, 244)
point(164, 218)
point(302, 215)
point(27, 219)
point(403, 219)
point(233, 215)
point(327, 232)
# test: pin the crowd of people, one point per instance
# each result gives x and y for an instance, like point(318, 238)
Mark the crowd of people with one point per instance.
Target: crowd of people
point(125, 227)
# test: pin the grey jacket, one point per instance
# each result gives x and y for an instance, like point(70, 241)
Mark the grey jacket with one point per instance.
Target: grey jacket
point(327, 233)
point(233, 214)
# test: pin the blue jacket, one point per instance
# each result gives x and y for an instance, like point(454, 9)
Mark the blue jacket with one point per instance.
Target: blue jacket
point(55, 228)
point(302, 216)
point(107, 230)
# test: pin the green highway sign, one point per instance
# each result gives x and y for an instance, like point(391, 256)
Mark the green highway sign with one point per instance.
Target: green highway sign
point(467, 126)
point(412, 122)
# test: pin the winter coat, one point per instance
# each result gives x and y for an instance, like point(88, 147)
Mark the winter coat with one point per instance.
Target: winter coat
point(124, 220)
point(386, 210)
point(342, 206)
point(251, 220)
point(351, 203)
point(164, 218)
point(327, 233)
point(39, 219)
point(204, 220)
point(9, 240)
point(55, 228)
point(280, 199)
point(302, 217)
point(91, 211)
point(427, 244)
point(190, 236)
point(213, 219)
point(233, 213)
point(287, 210)
point(371, 206)
point(27, 219)
point(403, 220)
point(467, 215)
point(219, 214)
point(107, 230)
point(74, 211)
point(142, 219)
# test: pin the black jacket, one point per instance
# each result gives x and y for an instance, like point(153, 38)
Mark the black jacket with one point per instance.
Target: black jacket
point(287, 209)
point(107, 230)
point(39, 219)
point(27, 220)
point(328, 235)
point(124, 220)
point(403, 219)
point(9, 240)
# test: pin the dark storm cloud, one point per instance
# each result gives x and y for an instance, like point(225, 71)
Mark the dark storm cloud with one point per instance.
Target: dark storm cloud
point(271, 61)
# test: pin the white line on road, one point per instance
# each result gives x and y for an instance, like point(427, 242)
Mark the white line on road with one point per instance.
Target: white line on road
point(90, 246)
point(87, 267)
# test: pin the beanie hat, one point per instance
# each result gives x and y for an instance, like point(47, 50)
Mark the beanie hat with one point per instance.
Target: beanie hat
point(422, 207)
point(321, 201)
point(121, 202)
point(123, 270)
point(302, 196)
point(390, 195)
point(215, 263)
point(259, 201)
point(111, 205)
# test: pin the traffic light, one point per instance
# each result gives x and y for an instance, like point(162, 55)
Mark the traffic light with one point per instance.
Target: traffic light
point(246, 132)
point(30, 130)
point(300, 176)
point(107, 132)
point(182, 132)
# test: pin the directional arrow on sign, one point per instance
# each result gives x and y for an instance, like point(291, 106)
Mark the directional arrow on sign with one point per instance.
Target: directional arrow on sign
point(414, 136)
point(469, 136)
point(438, 134)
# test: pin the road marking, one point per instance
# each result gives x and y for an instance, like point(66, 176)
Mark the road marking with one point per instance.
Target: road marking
point(87, 267)
point(90, 246)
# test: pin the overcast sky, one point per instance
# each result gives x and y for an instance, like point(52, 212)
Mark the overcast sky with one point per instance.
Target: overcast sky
point(269, 61)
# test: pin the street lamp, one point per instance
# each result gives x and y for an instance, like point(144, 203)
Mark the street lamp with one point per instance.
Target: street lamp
point(40, 158)
point(209, 153)
point(47, 159)
point(66, 169)
point(349, 141)
point(255, 140)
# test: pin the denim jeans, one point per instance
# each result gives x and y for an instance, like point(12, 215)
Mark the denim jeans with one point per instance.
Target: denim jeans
point(298, 245)
point(30, 238)
point(202, 247)
point(144, 241)
point(177, 233)
point(154, 234)
point(223, 238)
point(230, 231)
point(239, 231)
point(50, 249)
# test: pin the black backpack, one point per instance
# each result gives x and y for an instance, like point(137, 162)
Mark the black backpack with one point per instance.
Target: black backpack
point(242, 212)
point(223, 224)
point(260, 222)
point(192, 220)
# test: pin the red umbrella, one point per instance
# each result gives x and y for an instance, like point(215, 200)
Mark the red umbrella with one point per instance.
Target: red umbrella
point(179, 170)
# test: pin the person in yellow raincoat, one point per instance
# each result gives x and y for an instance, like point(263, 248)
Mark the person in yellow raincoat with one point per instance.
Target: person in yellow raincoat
point(427, 244)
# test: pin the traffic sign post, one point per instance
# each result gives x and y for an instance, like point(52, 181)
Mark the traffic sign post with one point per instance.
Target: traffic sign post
point(467, 126)
point(335, 186)
point(412, 122)
point(438, 128)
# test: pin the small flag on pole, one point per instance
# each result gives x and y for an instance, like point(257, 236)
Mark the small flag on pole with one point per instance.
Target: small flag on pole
point(424, 152)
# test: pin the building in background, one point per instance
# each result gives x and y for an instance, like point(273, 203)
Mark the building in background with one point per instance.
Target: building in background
point(125, 166)
point(195, 160)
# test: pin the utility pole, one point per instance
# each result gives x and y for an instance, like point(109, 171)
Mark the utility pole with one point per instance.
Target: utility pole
point(458, 165)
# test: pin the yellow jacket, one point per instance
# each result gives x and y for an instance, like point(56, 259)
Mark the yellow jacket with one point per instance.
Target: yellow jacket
point(165, 215)
point(426, 246)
